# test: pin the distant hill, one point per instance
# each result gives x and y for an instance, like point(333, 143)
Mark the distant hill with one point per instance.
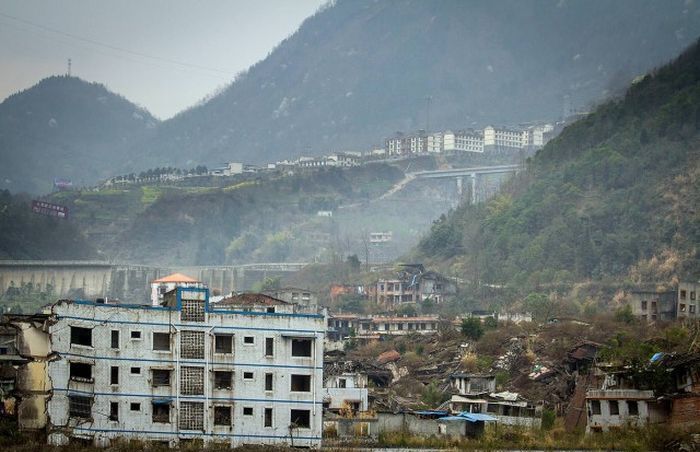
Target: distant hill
point(359, 70)
point(64, 127)
point(615, 195)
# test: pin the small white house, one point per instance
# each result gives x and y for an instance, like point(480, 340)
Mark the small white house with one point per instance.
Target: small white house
point(346, 390)
point(161, 286)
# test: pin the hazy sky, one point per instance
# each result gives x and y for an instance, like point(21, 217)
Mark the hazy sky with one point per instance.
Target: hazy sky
point(134, 47)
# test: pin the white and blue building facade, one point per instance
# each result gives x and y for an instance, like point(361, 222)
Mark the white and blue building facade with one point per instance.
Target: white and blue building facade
point(186, 370)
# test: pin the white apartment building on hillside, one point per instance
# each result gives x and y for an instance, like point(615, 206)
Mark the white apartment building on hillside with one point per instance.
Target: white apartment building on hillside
point(246, 370)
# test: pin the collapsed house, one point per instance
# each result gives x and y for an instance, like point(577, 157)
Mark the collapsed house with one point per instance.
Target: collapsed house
point(664, 391)
point(476, 395)
point(413, 285)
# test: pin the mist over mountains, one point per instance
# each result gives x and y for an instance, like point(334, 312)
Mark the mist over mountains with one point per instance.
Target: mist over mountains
point(354, 73)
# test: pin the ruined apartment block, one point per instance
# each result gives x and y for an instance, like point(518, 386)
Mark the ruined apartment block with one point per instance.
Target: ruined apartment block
point(238, 372)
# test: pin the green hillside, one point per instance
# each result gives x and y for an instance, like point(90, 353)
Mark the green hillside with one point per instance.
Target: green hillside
point(26, 235)
point(615, 195)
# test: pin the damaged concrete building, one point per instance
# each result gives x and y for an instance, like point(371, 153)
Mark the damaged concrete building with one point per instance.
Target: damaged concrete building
point(247, 370)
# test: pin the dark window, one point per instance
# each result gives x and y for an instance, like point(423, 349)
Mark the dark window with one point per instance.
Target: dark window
point(81, 336)
point(268, 417)
point(269, 346)
point(301, 418)
point(161, 342)
point(614, 407)
point(692, 296)
point(595, 406)
point(161, 413)
point(248, 375)
point(80, 406)
point(81, 372)
point(644, 305)
point(342, 383)
point(222, 380)
point(114, 375)
point(113, 411)
point(136, 371)
point(268, 382)
point(161, 377)
point(270, 310)
point(135, 406)
point(115, 338)
point(247, 411)
point(223, 343)
point(222, 415)
point(301, 347)
point(136, 334)
point(249, 340)
point(632, 408)
point(301, 383)
point(683, 294)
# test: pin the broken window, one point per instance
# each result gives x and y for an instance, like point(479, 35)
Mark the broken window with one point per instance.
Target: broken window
point(342, 383)
point(192, 381)
point(301, 383)
point(269, 346)
point(632, 408)
point(270, 310)
point(136, 335)
point(301, 347)
point(161, 342)
point(80, 406)
point(161, 412)
point(191, 416)
point(301, 418)
point(81, 372)
point(249, 340)
point(114, 375)
point(614, 407)
point(248, 375)
point(223, 379)
point(192, 344)
point(161, 377)
point(595, 406)
point(222, 415)
point(192, 311)
point(114, 411)
point(247, 411)
point(135, 371)
point(80, 336)
point(268, 417)
point(135, 406)
point(268, 382)
point(115, 338)
point(223, 343)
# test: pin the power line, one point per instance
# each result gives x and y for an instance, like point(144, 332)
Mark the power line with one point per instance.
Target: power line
point(112, 47)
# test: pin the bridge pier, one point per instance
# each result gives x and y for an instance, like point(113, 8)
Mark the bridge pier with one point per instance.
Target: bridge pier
point(473, 181)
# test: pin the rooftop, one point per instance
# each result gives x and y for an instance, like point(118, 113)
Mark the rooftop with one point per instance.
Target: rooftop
point(175, 278)
point(251, 299)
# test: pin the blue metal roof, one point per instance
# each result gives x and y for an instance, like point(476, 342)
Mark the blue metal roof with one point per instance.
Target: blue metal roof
point(432, 412)
point(469, 417)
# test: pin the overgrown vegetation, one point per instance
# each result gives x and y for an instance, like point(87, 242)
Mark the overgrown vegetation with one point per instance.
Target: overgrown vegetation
point(615, 190)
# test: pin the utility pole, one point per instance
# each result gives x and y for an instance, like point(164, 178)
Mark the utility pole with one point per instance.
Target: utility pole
point(428, 99)
point(69, 66)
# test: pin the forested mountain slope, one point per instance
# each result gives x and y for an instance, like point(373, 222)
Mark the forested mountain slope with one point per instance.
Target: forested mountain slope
point(616, 194)
point(359, 70)
point(64, 127)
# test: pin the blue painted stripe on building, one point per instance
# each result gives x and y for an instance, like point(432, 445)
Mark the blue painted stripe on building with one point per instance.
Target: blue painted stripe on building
point(188, 397)
point(184, 433)
point(186, 325)
point(208, 308)
point(199, 362)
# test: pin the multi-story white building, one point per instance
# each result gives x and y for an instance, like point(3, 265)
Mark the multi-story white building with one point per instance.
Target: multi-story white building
point(503, 138)
point(248, 370)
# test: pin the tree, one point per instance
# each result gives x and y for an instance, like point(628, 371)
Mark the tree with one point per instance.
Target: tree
point(353, 262)
point(472, 328)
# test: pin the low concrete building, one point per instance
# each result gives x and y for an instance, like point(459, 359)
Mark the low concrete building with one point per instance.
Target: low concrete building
point(375, 326)
point(687, 305)
point(505, 407)
point(473, 384)
point(301, 297)
point(346, 391)
point(247, 370)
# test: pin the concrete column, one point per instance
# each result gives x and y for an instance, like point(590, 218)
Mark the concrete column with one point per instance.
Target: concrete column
point(473, 177)
point(460, 189)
